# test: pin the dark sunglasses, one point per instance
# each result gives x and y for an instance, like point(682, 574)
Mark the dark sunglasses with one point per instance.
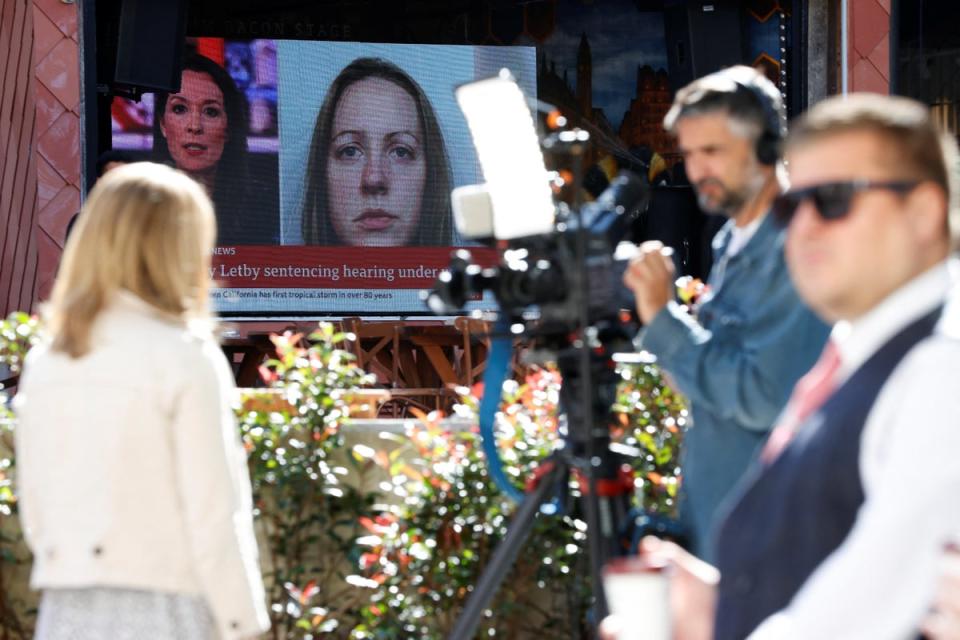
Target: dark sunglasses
point(831, 199)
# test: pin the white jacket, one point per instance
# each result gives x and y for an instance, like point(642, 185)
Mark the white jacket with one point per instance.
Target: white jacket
point(130, 469)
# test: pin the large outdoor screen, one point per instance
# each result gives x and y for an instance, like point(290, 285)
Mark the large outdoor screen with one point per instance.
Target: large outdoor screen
point(330, 161)
point(330, 165)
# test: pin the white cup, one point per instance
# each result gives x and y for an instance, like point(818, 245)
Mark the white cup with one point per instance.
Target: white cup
point(638, 594)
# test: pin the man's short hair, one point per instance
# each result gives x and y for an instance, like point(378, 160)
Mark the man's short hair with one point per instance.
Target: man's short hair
point(742, 93)
point(919, 149)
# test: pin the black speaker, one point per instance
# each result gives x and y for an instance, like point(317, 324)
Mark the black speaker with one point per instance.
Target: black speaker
point(702, 37)
point(150, 44)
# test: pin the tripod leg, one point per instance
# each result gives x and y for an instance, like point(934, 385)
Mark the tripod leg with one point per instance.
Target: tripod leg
point(505, 555)
point(599, 545)
point(606, 515)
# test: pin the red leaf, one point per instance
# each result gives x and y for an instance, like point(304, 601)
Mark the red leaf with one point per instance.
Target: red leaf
point(420, 415)
point(288, 338)
point(269, 376)
point(367, 560)
point(310, 590)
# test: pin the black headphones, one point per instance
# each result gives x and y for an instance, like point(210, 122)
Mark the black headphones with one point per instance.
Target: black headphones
point(768, 97)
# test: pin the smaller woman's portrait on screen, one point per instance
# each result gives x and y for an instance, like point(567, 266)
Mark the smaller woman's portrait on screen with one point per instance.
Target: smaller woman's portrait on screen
point(377, 173)
point(202, 130)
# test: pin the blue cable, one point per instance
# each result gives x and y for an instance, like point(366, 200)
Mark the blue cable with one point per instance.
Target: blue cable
point(498, 361)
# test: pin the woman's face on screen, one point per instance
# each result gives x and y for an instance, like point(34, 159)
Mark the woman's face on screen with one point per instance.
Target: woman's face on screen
point(376, 167)
point(194, 123)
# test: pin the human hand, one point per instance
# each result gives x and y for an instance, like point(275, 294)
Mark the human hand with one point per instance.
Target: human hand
point(610, 628)
point(943, 623)
point(650, 276)
point(693, 588)
point(693, 592)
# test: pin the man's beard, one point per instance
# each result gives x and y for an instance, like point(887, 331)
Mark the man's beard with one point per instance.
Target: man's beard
point(729, 201)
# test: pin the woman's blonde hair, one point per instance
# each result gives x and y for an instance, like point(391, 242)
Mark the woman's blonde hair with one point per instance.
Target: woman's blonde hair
point(146, 229)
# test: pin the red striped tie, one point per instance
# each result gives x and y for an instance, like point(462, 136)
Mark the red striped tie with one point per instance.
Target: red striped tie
point(809, 394)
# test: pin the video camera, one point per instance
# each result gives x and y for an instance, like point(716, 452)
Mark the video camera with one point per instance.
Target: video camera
point(538, 277)
point(558, 267)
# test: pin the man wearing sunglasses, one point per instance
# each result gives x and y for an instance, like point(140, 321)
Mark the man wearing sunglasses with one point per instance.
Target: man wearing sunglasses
point(838, 529)
point(752, 337)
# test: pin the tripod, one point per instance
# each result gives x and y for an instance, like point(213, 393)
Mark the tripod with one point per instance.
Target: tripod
point(605, 488)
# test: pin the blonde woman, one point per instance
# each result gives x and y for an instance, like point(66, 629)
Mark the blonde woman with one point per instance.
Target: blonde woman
point(134, 494)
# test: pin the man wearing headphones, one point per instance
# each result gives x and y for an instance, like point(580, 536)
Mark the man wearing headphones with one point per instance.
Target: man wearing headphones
point(738, 355)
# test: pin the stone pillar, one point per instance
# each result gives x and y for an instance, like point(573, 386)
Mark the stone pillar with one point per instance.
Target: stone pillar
point(819, 34)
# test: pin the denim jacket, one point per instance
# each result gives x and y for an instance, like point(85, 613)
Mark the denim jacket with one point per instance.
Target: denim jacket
point(736, 362)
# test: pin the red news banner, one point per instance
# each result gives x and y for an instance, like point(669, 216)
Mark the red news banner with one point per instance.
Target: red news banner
point(297, 267)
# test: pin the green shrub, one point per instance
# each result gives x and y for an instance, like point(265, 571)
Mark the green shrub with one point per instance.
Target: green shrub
point(425, 552)
point(308, 517)
point(18, 332)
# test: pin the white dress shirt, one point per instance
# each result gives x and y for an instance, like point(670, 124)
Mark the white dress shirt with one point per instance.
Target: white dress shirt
point(879, 583)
